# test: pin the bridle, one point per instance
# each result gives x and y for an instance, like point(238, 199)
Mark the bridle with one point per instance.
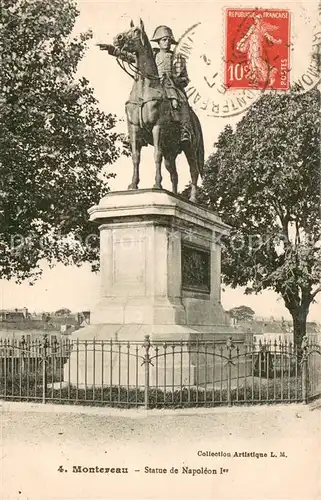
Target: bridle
point(137, 72)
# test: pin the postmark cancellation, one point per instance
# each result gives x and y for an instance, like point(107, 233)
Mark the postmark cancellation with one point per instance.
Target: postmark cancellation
point(247, 52)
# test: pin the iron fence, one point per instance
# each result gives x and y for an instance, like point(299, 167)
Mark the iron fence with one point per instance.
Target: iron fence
point(158, 373)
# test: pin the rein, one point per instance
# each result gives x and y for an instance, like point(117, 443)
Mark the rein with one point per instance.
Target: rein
point(122, 66)
point(135, 69)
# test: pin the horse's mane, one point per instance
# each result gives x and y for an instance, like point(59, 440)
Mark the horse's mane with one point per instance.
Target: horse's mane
point(149, 48)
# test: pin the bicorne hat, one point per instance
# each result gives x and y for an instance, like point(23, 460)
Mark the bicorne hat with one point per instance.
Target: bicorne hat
point(162, 31)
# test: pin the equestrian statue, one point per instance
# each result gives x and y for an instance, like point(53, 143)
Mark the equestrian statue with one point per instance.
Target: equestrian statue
point(157, 111)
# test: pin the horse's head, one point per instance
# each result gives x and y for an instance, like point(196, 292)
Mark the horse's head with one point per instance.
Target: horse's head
point(132, 40)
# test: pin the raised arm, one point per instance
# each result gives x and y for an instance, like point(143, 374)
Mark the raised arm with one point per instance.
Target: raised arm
point(272, 39)
point(114, 51)
point(241, 43)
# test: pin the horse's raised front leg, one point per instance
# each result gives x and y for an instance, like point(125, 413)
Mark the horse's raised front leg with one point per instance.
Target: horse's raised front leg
point(158, 156)
point(136, 150)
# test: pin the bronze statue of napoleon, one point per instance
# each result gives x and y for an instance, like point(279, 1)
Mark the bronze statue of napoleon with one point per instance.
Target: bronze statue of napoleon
point(157, 110)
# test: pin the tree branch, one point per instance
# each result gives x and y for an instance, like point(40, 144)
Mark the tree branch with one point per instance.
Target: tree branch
point(315, 292)
point(284, 218)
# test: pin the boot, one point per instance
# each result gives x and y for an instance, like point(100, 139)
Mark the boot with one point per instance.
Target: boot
point(185, 135)
point(175, 103)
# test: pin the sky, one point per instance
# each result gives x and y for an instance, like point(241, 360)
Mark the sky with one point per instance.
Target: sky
point(78, 288)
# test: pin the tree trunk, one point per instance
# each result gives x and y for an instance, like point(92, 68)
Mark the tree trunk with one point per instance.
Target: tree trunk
point(299, 317)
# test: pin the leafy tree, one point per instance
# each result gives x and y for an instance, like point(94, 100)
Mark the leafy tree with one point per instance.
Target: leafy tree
point(241, 313)
point(264, 180)
point(64, 311)
point(54, 142)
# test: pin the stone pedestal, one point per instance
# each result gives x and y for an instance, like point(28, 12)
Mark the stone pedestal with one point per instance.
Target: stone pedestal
point(160, 261)
point(160, 270)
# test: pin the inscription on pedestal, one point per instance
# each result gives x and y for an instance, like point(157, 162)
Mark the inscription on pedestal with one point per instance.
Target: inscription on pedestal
point(196, 270)
point(128, 261)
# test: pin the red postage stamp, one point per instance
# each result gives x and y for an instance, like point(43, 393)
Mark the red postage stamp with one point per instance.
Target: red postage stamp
point(257, 51)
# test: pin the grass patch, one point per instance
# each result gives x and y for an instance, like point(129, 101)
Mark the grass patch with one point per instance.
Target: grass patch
point(252, 392)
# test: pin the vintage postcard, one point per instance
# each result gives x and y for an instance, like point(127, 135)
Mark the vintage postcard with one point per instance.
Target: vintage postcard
point(160, 212)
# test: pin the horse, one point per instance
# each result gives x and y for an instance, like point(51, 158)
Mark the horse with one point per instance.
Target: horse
point(150, 117)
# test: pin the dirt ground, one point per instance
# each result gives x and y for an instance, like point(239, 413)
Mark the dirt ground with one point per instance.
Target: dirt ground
point(42, 445)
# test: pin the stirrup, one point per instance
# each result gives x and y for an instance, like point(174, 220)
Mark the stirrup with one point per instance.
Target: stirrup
point(185, 137)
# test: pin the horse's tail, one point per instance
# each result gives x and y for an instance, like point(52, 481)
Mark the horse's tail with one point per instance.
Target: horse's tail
point(200, 153)
point(198, 142)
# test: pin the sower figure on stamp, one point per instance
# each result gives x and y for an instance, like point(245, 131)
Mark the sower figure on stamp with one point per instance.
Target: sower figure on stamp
point(252, 45)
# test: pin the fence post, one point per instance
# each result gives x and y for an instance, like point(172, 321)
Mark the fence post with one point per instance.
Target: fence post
point(146, 362)
point(22, 353)
point(44, 368)
point(229, 346)
point(305, 374)
point(54, 352)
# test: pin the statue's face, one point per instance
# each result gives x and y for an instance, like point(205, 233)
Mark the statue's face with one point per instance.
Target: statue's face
point(165, 43)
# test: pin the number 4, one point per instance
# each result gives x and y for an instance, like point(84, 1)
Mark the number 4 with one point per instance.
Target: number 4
point(60, 468)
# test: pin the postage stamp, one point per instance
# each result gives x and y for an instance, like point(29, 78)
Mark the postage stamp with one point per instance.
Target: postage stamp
point(257, 49)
